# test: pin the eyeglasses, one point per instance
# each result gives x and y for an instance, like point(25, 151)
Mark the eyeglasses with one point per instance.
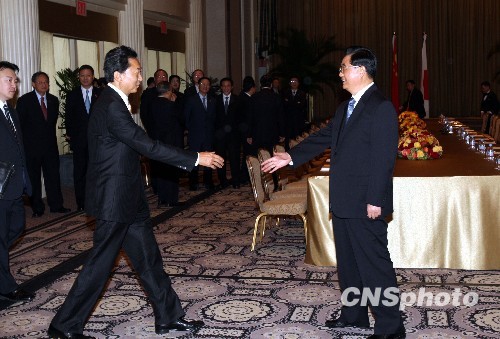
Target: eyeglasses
point(342, 68)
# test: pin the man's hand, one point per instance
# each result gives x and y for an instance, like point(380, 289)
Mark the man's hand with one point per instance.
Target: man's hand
point(373, 212)
point(210, 159)
point(279, 160)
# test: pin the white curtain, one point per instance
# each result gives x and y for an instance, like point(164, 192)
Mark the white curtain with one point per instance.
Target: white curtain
point(179, 67)
point(86, 54)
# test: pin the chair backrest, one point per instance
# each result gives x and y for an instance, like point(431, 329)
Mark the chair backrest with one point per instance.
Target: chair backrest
point(493, 122)
point(279, 149)
point(254, 172)
point(292, 143)
point(263, 154)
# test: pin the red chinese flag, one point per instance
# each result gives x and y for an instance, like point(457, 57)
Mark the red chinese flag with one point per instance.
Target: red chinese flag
point(394, 77)
point(424, 81)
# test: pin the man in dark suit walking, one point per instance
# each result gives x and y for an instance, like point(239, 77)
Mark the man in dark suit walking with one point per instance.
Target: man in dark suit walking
point(116, 197)
point(199, 112)
point(79, 103)
point(12, 216)
point(38, 112)
point(363, 136)
point(227, 135)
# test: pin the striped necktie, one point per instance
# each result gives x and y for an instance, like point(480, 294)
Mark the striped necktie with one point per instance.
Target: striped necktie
point(350, 108)
point(9, 120)
point(87, 102)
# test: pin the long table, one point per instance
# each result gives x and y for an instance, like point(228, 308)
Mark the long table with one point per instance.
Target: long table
point(446, 212)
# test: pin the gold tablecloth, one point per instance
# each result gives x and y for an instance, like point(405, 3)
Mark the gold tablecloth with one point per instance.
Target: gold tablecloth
point(446, 212)
point(439, 222)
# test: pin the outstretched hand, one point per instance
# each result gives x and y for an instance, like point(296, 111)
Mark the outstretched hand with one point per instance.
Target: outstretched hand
point(275, 163)
point(210, 159)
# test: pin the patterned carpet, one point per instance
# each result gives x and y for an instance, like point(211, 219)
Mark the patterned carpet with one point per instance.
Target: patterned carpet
point(269, 293)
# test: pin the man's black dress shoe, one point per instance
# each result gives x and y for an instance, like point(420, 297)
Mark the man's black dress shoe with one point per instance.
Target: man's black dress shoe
point(180, 324)
point(193, 188)
point(60, 210)
point(236, 186)
point(399, 335)
point(54, 333)
point(18, 295)
point(80, 209)
point(339, 323)
point(37, 214)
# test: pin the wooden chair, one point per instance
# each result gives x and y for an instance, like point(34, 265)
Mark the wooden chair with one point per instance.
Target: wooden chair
point(274, 208)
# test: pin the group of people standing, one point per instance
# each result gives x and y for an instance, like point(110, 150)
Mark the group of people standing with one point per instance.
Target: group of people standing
point(230, 124)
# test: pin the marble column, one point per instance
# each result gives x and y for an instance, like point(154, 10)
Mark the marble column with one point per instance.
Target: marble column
point(20, 38)
point(194, 37)
point(131, 34)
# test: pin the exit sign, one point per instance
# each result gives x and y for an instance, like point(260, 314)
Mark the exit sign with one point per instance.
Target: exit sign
point(81, 8)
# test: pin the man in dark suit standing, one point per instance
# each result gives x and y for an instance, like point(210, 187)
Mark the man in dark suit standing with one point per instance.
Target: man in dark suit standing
point(247, 91)
point(489, 105)
point(12, 216)
point(415, 101)
point(227, 135)
point(79, 103)
point(199, 112)
point(266, 119)
point(195, 78)
point(363, 136)
point(116, 197)
point(295, 108)
point(38, 112)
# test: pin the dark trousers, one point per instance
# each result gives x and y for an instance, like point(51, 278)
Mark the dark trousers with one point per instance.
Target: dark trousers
point(230, 150)
point(247, 150)
point(168, 183)
point(139, 243)
point(47, 161)
point(12, 218)
point(207, 177)
point(363, 261)
point(80, 161)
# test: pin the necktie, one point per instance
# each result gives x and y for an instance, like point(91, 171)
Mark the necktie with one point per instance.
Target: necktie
point(205, 103)
point(87, 102)
point(226, 104)
point(350, 108)
point(9, 119)
point(294, 92)
point(44, 108)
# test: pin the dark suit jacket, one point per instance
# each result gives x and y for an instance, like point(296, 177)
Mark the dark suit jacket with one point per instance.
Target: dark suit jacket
point(295, 112)
point(363, 155)
point(146, 98)
point(114, 187)
point(266, 116)
point(167, 122)
point(490, 103)
point(227, 124)
point(77, 118)
point(415, 102)
point(39, 135)
point(200, 123)
point(12, 151)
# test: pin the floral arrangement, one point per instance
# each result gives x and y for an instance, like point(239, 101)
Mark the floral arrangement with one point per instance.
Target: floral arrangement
point(415, 142)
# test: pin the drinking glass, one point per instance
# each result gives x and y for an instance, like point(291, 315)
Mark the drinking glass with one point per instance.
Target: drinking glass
point(480, 146)
point(489, 152)
point(497, 162)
